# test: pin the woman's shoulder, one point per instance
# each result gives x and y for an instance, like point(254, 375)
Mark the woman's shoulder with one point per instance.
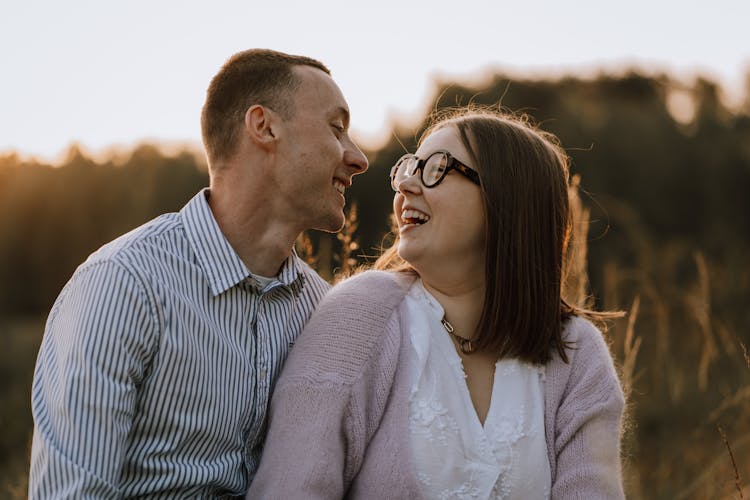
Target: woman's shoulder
point(354, 321)
point(587, 345)
point(579, 330)
point(367, 290)
point(388, 281)
point(590, 361)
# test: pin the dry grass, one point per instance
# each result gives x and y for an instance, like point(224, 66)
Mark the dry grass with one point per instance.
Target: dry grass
point(630, 347)
point(348, 244)
point(737, 480)
point(576, 288)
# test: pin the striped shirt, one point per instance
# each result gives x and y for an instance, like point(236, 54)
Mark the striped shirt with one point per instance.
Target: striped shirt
point(157, 363)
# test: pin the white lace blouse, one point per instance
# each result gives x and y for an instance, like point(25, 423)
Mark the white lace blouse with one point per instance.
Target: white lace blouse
point(455, 455)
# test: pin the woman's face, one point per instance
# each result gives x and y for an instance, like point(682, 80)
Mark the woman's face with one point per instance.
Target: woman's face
point(441, 228)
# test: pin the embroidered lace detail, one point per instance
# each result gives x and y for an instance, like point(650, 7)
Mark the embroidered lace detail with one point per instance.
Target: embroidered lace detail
point(430, 419)
point(501, 490)
point(424, 479)
point(507, 430)
point(463, 492)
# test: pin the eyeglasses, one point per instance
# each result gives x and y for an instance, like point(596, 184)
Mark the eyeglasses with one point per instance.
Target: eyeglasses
point(434, 169)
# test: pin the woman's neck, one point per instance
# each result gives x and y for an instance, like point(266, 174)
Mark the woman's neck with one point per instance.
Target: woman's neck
point(462, 302)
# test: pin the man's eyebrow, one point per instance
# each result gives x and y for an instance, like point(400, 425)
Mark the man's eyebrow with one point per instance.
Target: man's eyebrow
point(340, 110)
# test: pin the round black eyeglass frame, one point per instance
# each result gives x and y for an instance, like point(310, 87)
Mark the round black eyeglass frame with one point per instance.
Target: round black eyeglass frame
point(451, 163)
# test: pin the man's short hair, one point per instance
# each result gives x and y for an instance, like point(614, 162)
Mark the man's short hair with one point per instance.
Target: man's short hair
point(255, 76)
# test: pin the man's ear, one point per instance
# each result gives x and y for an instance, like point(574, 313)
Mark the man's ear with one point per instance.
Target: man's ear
point(260, 125)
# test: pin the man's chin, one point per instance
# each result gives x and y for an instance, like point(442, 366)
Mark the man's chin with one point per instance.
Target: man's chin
point(332, 224)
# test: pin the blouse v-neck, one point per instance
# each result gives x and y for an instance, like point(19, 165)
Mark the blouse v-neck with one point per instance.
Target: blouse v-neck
point(455, 455)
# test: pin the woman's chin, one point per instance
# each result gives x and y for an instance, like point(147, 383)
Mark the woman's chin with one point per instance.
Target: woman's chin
point(409, 254)
point(419, 260)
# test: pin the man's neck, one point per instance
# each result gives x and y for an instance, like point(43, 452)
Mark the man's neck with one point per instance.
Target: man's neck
point(261, 241)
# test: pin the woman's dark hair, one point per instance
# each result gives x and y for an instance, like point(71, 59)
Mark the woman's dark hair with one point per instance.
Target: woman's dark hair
point(525, 186)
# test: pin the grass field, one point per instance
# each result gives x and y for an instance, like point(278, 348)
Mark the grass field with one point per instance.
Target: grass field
point(19, 343)
point(681, 351)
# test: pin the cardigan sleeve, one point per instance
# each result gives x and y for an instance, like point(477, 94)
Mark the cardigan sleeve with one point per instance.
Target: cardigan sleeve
point(331, 393)
point(305, 449)
point(588, 423)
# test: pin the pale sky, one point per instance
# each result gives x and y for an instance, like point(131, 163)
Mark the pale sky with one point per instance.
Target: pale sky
point(103, 73)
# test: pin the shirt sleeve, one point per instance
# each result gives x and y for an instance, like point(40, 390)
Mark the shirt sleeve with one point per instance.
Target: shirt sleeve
point(94, 355)
point(588, 424)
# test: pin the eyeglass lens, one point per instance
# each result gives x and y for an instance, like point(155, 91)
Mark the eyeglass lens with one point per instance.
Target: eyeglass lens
point(432, 169)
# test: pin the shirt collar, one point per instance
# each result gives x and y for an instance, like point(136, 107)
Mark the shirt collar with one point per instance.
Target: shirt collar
point(292, 275)
point(292, 270)
point(221, 264)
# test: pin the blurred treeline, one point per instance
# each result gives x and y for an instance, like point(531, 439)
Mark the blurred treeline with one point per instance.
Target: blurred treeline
point(665, 173)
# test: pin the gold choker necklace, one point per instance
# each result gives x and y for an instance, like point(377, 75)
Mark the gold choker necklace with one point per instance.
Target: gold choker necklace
point(466, 346)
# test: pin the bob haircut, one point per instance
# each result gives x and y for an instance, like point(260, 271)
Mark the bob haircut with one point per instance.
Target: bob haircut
point(524, 175)
point(255, 76)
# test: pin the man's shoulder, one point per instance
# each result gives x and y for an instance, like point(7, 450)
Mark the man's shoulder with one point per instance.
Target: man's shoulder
point(128, 260)
point(148, 238)
point(311, 276)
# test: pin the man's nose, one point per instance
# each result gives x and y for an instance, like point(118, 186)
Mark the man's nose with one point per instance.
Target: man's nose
point(355, 158)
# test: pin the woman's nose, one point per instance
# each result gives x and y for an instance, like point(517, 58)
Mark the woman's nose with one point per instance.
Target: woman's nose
point(410, 184)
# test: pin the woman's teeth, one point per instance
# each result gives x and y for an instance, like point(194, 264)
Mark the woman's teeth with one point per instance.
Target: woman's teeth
point(414, 217)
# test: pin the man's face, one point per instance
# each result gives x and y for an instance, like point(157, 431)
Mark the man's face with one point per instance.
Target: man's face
point(316, 157)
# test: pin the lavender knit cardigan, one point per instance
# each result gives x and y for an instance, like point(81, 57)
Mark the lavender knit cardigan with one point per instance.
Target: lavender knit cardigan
point(339, 415)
